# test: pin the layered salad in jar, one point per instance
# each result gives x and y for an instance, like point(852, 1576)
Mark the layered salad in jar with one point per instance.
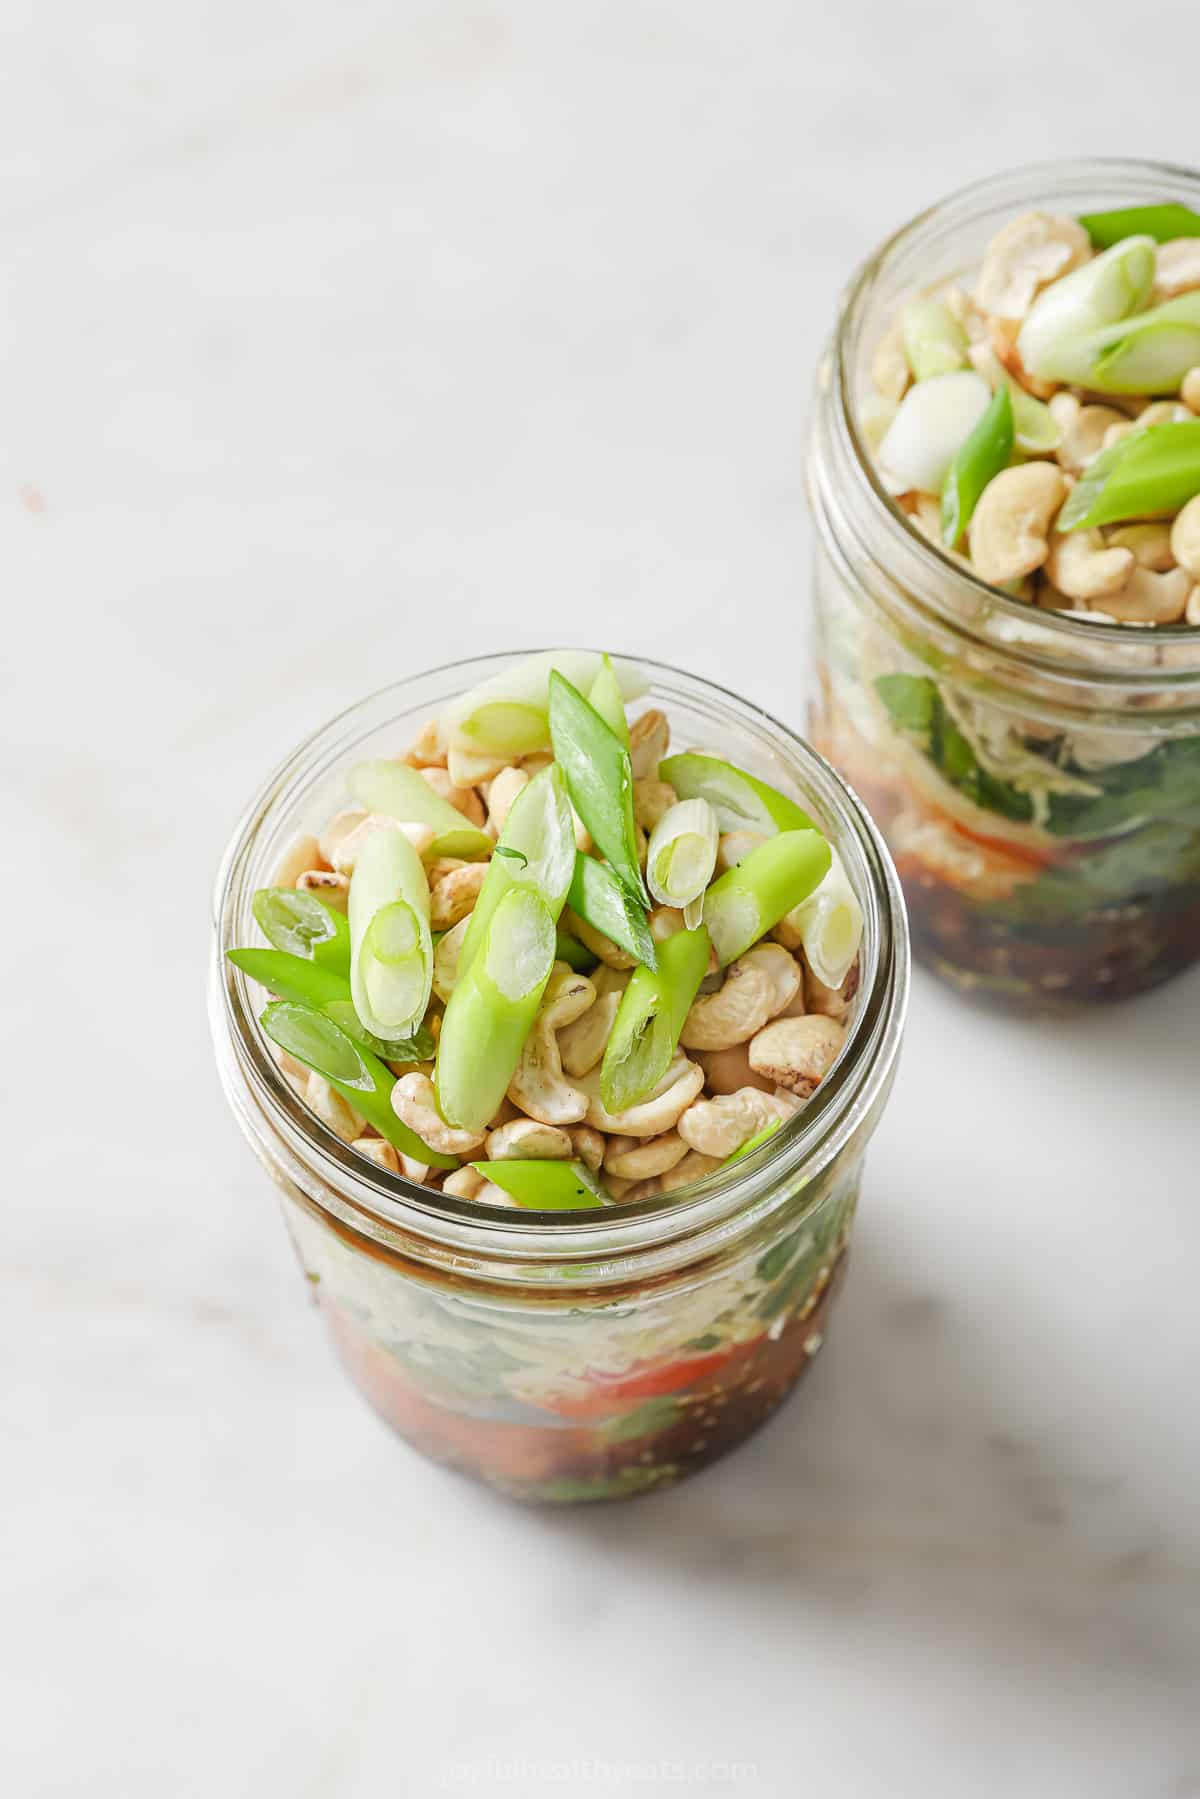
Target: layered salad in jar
point(1036, 419)
point(543, 960)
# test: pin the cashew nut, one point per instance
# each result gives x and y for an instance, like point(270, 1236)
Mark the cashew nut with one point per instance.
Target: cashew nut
point(377, 1150)
point(582, 1044)
point(464, 1183)
point(334, 889)
point(454, 896)
point(694, 1167)
point(890, 372)
point(718, 1126)
point(651, 799)
point(1024, 255)
point(664, 922)
point(640, 1158)
point(1192, 612)
point(467, 768)
point(660, 1109)
point(345, 853)
point(1158, 412)
point(1189, 389)
point(831, 1002)
point(756, 987)
point(1009, 530)
point(463, 799)
point(588, 1145)
point(1177, 268)
point(425, 750)
point(649, 740)
point(501, 793)
point(445, 958)
point(728, 1070)
point(332, 1109)
point(797, 1053)
point(301, 855)
point(294, 1073)
point(336, 831)
point(1149, 599)
point(527, 1137)
point(734, 846)
point(601, 947)
point(583, 839)
point(1084, 568)
point(1150, 543)
point(539, 1086)
point(1185, 537)
point(414, 1102)
point(1083, 429)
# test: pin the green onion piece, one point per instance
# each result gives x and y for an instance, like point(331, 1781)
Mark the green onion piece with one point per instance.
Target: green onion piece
point(740, 801)
point(749, 899)
point(576, 955)
point(650, 1018)
point(300, 924)
point(509, 714)
point(602, 901)
point(546, 1186)
point(399, 792)
point(536, 850)
point(1056, 341)
point(606, 698)
point(1162, 223)
point(1150, 474)
point(934, 341)
point(391, 950)
point(986, 451)
point(308, 984)
point(599, 778)
point(1149, 354)
point(830, 923)
point(682, 853)
point(360, 1077)
point(419, 1047)
point(755, 1142)
point(492, 1008)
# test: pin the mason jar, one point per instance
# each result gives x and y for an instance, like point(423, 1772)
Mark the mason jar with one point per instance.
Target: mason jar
point(1035, 774)
point(581, 1355)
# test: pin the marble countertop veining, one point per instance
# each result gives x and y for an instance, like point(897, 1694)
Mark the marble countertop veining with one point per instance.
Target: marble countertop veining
point(324, 328)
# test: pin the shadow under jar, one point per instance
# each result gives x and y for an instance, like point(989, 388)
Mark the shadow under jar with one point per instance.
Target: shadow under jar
point(1036, 775)
point(591, 1354)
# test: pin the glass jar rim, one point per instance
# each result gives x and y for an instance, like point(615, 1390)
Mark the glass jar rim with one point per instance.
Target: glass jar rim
point(379, 1204)
point(1027, 184)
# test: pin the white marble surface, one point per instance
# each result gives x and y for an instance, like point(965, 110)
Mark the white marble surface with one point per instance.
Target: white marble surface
point(336, 338)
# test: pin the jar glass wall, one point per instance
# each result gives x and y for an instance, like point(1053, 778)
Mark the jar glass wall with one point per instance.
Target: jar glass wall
point(584, 1355)
point(1036, 775)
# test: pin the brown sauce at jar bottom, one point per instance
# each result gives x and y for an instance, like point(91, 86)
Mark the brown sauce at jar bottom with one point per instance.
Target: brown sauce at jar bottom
point(572, 1459)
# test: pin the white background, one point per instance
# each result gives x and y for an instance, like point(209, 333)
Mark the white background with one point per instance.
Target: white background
point(339, 339)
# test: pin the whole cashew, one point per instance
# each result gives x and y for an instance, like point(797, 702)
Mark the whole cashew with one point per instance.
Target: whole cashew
point(728, 1070)
point(425, 750)
point(831, 1002)
point(301, 855)
point(1177, 268)
point(1189, 390)
point(1010, 526)
point(1150, 543)
point(337, 830)
point(582, 1043)
point(1024, 255)
point(467, 768)
point(464, 1183)
point(539, 1086)
point(890, 372)
point(660, 1109)
point(1185, 538)
point(501, 793)
point(756, 987)
point(454, 896)
point(1149, 599)
point(734, 846)
point(526, 1137)
point(694, 1167)
point(332, 1109)
point(376, 1150)
point(797, 1053)
point(601, 947)
point(588, 1145)
point(1083, 429)
point(1081, 566)
point(414, 1101)
point(640, 1158)
point(445, 958)
point(345, 854)
point(651, 799)
point(334, 889)
point(463, 799)
point(649, 740)
point(717, 1127)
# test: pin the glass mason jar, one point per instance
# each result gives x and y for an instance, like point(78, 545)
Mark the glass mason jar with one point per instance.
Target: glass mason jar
point(1036, 775)
point(566, 1356)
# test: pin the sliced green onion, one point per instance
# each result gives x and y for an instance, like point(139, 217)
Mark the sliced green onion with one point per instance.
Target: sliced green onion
point(599, 778)
point(1149, 474)
point(360, 1077)
point(308, 984)
point(606, 698)
point(1162, 223)
point(1149, 354)
point(749, 899)
point(986, 451)
point(492, 1008)
point(740, 801)
point(830, 923)
point(755, 1142)
point(509, 714)
point(300, 924)
point(391, 950)
point(576, 955)
point(932, 420)
point(603, 902)
point(934, 341)
point(418, 1047)
point(545, 1186)
point(1055, 341)
point(398, 791)
point(536, 850)
point(682, 853)
point(650, 1019)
